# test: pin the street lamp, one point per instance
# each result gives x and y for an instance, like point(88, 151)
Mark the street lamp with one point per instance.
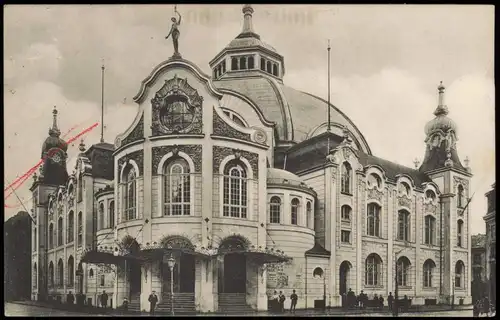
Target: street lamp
point(171, 264)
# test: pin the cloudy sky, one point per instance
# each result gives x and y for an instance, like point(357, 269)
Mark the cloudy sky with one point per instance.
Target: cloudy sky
point(386, 64)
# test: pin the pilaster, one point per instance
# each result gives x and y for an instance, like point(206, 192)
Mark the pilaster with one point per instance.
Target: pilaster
point(419, 215)
point(390, 211)
point(331, 198)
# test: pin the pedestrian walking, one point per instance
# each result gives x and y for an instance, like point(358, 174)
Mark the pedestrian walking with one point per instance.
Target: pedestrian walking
point(275, 301)
point(104, 299)
point(70, 299)
point(381, 302)
point(153, 300)
point(351, 298)
point(390, 300)
point(282, 299)
point(293, 299)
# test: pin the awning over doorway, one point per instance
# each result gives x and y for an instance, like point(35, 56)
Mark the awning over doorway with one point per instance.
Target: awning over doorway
point(106, 257)
point(258, 254)
point(157, 251)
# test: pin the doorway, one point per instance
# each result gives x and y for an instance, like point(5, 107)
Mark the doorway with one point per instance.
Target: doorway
point(184, 275)
point(344, 270)
point(235, 273)
point(135, 277)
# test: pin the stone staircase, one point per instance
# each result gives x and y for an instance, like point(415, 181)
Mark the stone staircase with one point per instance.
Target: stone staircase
point(134, 304)
point(234, 303)
point(183, 304)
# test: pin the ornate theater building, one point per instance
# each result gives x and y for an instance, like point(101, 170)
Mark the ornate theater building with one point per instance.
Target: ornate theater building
point(229, 186)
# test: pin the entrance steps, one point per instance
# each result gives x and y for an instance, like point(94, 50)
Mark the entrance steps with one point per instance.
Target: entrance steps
point(234, 303)
point(134, 304)
point(183, 303)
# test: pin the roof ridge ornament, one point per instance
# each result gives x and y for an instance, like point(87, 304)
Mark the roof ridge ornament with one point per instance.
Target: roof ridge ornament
point(441, 109)
point(54, 131)
point(174, 31)
point(247, 31)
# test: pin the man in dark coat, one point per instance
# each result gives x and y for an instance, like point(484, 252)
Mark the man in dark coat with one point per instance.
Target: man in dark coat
point(153, 300)
point(70, 299)
point(293, 299)
point(104, 299)
point(351, 298)
point(390, 300)
point(282, 299)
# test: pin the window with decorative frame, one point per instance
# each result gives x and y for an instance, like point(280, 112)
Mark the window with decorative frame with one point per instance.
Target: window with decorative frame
point(345, 183)
point(235, 117)
point(345, 236)
point(430, 195)
point(79, 191)
point(51, 236)
point(373, 220)
point(345, 213)
point(275, 210)
point(71, 226)
point(60, 231)
point(129, 193)
point(460, 196)
point(403, 272)
point(430, 230)
point(71, 271)
point(235, 190)
point(374, 181)
point(403, 225)
point(404, 189)
point(177, 188)
point(460, 231)
point(111, 215)
point(60, 273)
point(428, 269)
point(51, 275)
point(309, 215)
point(102, 280)
point(373, 270)
point(101, 216)
point(80, 229)
point(294, 211)
point(459, 273)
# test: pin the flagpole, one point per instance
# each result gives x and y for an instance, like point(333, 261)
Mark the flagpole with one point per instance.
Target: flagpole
point(102, 102)
point(329, 124)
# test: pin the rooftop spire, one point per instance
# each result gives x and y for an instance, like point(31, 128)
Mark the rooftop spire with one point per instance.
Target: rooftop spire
point(441, 109)
point(54, 130)
point(248, 31)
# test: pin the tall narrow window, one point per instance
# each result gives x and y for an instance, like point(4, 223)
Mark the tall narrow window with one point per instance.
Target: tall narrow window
point(459, 273)
point(345, 213)
point(430, 229)
point(295, 210)
point(71, 271)
point(262, 64)
point(269, 67)
point(80, 189)
point(71, 227)
point(373, 270)
point(243, 63)
point(403, 271)
point(373, 220)
point(60, 273)
point(111, 215)
point(346, 178)
point(51, 236)
point(235, 190)
point(404, 225)
point(404, 189)
point(275, 70)
point(103, 278)
point(60, 231)
point(34, 240)
point(101, 216)
point(275, 210)
point(234, 63)
point(223, 66)
point(80, 229)
point(35, 275)
point(51, 275)
point(430, 195)
point(309, 215)
point(460, 231)
point(460, 196)
point(374, 181)
point(177, 188)
point(129, 192)
point(251, 63)
point(429, 266)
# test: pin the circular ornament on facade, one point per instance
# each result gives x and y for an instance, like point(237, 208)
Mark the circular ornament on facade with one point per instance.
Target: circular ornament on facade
point(118, 142)
point(260, 136)
point(177, 114)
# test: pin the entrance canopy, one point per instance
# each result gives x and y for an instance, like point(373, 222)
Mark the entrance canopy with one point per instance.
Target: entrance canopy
point(106, 256)
point(257, 254)
point(172, 245)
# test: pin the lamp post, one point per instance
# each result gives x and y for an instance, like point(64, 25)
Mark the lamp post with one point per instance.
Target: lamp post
point(171, 264)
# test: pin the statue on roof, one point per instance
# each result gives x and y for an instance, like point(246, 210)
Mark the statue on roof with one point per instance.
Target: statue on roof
point(174, 31)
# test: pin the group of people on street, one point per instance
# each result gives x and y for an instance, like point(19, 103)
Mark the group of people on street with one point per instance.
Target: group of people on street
point(277, 302)
point(483, 306)
point(351, 301)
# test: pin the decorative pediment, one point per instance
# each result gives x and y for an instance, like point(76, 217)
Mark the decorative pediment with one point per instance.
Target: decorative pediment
point(459, 180)
point(137, 156)
point(404, 202)
point(177, 109)
point(136, 134)
point(430, 207)
point(374, 193)
point(193, 151)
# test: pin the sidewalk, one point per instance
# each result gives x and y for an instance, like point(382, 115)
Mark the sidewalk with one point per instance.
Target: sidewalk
point(301, 312)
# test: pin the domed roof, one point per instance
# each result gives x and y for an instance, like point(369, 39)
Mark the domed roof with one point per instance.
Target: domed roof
point(279, 175)
point(53, 140)
point(441, 122)
point(248, 43)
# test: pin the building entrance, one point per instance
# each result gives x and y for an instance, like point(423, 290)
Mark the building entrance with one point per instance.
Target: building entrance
point(184, 275)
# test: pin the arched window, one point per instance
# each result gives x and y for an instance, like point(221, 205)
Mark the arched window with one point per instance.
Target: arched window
point(275, 210)
point(60, 273)
point(80, 189)
point(275, 70)
point(374, 181)
point(129, 194)
point(295, 210)
point(35, 276)
point(403, 272)
point(235, 190)
point(51, 275)
point(236, 118)
point(111, 215)
point(309, 215)
point(243, 63)
point(34, 240)
point(373, 223)
point(223, 66)
point(80, 229)
point(71, 226)
point(101, 216)
point(429, 266)
point(430, 229)
point(269, 67)
point(460, 196)
point(429, 194)
point(51, 236)
point(318, 272)
point(176, 188)
point(60, 231)
point(346, 178)
point(404, 225)
point(71, 271)
point(262, 64)
point(91, 273)
point(373, 270)
point(404, 189)
point(234, 63)
point(460, 232)
point(345, 213)
point(251, 63)
point(459, 274)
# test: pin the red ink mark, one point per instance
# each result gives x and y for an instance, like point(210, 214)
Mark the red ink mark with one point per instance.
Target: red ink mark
point(19, 181)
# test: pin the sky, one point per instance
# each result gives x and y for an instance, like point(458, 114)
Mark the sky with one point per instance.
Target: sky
point(386, 64)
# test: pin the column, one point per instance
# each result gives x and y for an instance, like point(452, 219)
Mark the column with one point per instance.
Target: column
point(418, 239)
point(261, 231)
point(332, 229)
point(146, 285)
